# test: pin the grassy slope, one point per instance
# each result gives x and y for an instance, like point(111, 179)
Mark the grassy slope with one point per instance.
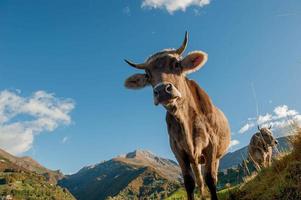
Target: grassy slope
point(31, 165)
point(31, 186)
point(180, 194)
point(21, 183)
point(148, 185)
point(280, 181)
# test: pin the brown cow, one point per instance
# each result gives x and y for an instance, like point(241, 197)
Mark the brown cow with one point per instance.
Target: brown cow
point(199, 132)
point(260, 148)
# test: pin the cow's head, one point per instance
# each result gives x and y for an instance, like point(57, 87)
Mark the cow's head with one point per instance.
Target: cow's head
point(267, 136)
point(165, 71)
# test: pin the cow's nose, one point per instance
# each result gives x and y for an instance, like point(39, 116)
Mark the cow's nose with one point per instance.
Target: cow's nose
point(164, 92)
point(168, 88)
point(163, 89)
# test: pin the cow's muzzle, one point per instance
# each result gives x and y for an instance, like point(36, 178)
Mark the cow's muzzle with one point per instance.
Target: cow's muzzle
point(165, 93)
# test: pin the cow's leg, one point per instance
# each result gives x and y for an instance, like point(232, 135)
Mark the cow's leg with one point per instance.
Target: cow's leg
point(270, 159)
point(187, 174)
point(257, 160)
point(215, 173)
point(211, 166)
point(265, 161)
point(189, 182)
point(196, 167)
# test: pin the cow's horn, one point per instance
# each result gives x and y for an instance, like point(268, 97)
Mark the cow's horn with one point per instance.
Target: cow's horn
point(138, 66)
point(182, 48)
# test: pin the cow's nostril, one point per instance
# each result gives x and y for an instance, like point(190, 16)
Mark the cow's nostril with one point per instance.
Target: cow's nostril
point(168, 88)
point(156, 93)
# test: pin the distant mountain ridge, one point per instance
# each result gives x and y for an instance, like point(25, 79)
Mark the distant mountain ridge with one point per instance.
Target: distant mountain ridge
point(138, 174)
point(31, 165)
point(167, 167)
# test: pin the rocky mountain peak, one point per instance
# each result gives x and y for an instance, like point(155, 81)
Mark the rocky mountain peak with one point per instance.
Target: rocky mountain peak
point(140, 153)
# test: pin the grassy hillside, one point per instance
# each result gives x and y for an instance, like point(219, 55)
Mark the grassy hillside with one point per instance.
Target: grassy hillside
point(19, 180)
point(280, 181)
point(148, 185)
point(232, 159)
point(30, 186)
point(27, 163)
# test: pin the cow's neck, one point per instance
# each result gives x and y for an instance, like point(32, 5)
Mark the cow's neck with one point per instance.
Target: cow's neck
point(185, 114)
point(187, 107)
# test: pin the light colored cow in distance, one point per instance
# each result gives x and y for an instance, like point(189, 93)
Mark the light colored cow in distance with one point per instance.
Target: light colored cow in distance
point(261, 148)
point(198, 131)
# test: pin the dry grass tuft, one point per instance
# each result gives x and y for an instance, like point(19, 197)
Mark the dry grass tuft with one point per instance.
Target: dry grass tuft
point(296, 142)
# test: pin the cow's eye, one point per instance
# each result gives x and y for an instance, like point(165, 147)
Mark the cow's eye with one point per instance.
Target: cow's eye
point(148, 74)
point(177, 66)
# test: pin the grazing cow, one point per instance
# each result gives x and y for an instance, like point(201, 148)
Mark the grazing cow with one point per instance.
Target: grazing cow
point(199, 132)
point(260, 148)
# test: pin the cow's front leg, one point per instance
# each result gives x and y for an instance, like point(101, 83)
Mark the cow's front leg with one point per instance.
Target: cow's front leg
point(187, 174)
point(189, 182)
point(196, 167)
point(270, 159)
point(211, 166)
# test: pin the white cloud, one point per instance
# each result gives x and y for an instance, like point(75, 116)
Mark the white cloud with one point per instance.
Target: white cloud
point(283, 111)
point(264, 118)
point(281, 120)
point(22, 118)
point(233, 143)
point(173, 5)
point(246, 127)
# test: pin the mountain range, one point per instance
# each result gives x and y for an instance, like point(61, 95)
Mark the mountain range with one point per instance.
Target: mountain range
point(136, 175)
point(139, 174)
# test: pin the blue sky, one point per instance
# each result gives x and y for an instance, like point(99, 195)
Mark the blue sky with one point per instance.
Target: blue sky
point(71, 53)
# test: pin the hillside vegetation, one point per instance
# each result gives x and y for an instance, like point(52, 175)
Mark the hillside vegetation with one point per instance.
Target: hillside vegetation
point(233, 159)
point(27, 163)
point(25, 179)
point(280, 181)
point(30, 186)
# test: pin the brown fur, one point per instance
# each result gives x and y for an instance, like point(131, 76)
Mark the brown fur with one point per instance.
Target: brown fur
point(260, 148)
point(198, 131)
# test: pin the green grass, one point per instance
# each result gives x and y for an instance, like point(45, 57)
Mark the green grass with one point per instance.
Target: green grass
point(224, 194)
point(280, 181)
point(177, 195)
point(30, 186)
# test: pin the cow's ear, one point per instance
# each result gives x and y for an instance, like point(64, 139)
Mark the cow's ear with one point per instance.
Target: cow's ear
point(136, 81)
point(194, 61)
